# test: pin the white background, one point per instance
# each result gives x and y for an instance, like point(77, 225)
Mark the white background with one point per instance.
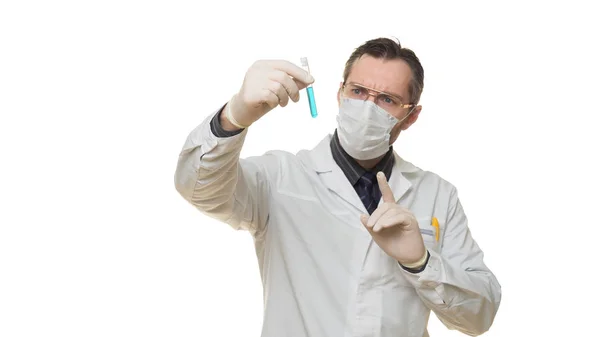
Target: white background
point(96, 99)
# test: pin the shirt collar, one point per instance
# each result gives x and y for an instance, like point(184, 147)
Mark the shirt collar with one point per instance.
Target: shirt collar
point(351, 168)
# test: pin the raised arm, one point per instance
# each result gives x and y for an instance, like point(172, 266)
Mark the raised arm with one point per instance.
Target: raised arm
point(210, 173)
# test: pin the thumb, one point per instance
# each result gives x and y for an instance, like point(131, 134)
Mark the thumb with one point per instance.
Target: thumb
point(301, 85)
point(364, 219)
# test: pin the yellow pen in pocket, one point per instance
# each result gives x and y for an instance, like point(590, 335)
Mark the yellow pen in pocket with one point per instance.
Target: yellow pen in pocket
point(436, 224)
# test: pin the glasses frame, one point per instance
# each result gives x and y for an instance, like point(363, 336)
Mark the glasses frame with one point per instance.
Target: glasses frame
point(375, 93)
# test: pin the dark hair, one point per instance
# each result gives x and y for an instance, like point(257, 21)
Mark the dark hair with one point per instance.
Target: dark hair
point(390, 50)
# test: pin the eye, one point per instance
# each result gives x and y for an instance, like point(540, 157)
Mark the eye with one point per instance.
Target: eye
point(388, 100)
point(358, 91)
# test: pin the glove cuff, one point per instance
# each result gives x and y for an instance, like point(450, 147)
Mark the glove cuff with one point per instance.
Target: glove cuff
point(419, 263)
point(232, 119)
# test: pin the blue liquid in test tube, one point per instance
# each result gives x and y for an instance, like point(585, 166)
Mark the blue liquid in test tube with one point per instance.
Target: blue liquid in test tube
point(309, 90)
point(311, 101)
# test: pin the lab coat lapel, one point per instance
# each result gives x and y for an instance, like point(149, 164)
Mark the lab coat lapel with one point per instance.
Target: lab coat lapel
point(332, 175)
point(398, 182)
point(335, 180)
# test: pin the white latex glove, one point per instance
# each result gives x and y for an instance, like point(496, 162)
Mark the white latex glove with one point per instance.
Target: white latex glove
point(394, 228)
point(267, 84)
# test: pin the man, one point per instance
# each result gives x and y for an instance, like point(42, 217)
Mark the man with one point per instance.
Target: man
point(351, 239)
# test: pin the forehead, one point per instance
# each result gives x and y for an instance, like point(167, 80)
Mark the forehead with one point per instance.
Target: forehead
point(392, 76)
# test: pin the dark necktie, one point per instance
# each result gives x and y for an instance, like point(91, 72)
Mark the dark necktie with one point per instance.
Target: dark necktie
point(368, 191)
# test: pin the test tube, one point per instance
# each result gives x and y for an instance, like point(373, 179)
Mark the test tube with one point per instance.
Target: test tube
point(309, 90)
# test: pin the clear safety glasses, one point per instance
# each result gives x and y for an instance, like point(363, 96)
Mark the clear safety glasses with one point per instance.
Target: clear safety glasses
point(391, 103)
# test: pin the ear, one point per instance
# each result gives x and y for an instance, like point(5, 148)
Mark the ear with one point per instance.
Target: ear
point(339, 92)
point(412, 118)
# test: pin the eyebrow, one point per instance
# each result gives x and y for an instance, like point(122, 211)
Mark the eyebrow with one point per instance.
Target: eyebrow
point(383, 92)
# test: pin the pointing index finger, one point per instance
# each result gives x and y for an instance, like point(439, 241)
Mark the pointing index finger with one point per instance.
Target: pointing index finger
point(386, 191)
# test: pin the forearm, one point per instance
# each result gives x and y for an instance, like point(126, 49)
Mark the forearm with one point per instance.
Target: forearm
point(211, 176)
point(464, 300)
point(207, 167)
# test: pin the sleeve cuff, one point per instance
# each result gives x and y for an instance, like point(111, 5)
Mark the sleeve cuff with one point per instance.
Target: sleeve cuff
point(217, 128)
point(430, 282)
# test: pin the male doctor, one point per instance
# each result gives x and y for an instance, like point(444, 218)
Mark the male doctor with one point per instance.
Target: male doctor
point(351, 239)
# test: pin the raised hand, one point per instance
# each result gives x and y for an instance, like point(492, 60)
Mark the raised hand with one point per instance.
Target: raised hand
point(267, 84)
point(394, 228)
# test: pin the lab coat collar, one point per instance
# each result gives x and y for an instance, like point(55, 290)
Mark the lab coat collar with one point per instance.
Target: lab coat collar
point(323, 163)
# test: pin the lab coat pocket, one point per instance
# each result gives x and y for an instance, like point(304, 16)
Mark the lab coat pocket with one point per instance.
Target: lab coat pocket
point(429, 232)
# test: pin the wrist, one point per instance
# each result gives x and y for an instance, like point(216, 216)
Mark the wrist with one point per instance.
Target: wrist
point(417, 264)
point(228, 119)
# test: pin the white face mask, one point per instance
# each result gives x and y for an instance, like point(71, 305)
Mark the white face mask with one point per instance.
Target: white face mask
point(364, 128)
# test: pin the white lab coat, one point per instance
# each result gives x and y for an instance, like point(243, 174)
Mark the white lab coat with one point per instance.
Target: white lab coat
point(323, 275)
